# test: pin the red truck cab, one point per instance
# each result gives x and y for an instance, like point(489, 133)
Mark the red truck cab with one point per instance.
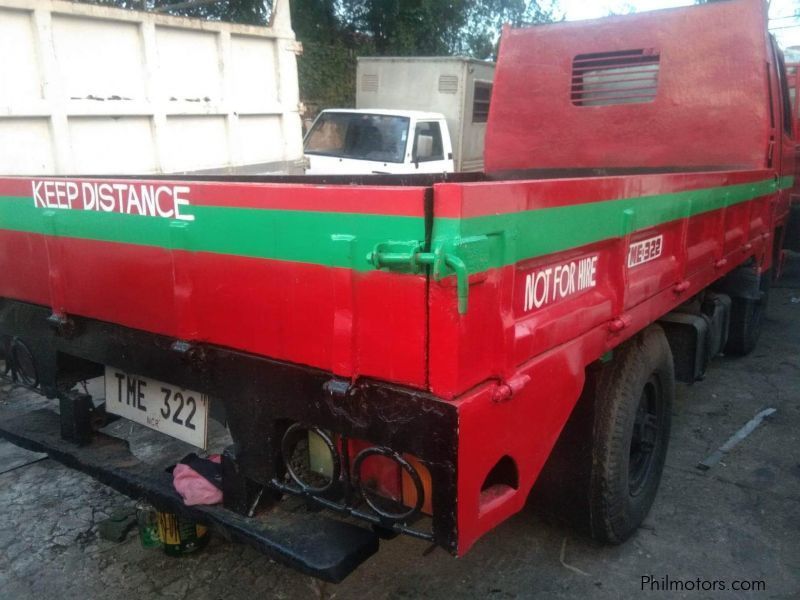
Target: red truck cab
point(792, 238)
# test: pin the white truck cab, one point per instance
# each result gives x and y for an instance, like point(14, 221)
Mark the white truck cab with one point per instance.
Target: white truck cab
point(365, 141)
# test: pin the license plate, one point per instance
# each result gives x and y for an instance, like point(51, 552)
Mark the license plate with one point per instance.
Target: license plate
point(175, 411)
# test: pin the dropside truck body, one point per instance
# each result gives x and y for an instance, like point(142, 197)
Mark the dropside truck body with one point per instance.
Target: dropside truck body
point(425, 340)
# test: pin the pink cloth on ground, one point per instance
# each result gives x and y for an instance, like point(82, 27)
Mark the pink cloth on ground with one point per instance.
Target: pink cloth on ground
point(193, 487)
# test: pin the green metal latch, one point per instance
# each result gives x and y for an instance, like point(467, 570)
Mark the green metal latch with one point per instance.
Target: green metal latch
point(409, 257)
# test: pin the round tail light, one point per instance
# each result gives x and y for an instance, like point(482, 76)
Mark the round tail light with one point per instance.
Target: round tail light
point(378, 473)
point(311, 458)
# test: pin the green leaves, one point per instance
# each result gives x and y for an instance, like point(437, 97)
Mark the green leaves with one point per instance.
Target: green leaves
point(479, 35)
point(438, 27)
point(335, 32)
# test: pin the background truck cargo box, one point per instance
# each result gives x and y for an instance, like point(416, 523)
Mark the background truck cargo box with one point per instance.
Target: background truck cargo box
point(92, 89)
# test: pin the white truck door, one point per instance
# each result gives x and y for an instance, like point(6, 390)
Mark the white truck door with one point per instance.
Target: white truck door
point(432, 150)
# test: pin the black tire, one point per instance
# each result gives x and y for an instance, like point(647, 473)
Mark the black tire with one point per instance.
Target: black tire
point(633, 405)
point(23, 364)
point(747, 317)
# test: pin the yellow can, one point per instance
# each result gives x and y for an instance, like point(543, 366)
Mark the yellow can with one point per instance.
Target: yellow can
point(180, 535)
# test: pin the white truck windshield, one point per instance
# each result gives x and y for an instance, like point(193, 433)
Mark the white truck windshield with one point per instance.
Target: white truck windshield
point(359, 136)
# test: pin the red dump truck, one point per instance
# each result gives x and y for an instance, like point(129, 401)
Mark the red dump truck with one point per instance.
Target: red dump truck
point(412, 353)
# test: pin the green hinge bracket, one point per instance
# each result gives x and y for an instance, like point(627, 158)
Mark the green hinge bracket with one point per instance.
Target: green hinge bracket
point(409, 257)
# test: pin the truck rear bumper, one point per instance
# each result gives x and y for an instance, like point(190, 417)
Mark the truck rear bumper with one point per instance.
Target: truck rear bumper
point(262, 399)
point(311, 543)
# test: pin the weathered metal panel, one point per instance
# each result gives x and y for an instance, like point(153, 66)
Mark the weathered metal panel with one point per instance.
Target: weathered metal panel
point(279, 270)
point(92, 89)
point(562, 271)
point(698, 117)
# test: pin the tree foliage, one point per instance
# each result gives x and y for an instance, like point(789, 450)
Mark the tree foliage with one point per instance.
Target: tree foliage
point(334, 32)
point(484, 19)
point(435, 27)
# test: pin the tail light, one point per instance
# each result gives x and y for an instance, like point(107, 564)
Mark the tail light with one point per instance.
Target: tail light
point(396, 486)
point(320, 458)
point(427, 485)
point(310, 458)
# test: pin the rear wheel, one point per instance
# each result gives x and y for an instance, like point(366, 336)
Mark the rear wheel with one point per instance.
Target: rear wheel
point(633, 404)
point(23, 364)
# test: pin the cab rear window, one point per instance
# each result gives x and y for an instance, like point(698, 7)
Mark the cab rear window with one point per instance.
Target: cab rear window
point(623, 77)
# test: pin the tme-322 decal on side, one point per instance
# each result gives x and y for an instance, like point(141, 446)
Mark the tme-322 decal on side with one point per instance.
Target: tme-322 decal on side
point(645, 250)
point(549, 284)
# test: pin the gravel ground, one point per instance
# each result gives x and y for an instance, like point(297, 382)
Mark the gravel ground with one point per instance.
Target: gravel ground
point(735, 522)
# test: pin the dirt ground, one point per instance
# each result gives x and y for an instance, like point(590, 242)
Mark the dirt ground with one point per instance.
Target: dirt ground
point(737, 524)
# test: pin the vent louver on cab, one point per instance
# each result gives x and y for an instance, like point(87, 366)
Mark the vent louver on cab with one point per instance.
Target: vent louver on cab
point(448, 84)
point(369, 83)
point(623, 77)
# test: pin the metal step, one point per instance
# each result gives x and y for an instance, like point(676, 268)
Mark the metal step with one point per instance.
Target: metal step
point(311, 543)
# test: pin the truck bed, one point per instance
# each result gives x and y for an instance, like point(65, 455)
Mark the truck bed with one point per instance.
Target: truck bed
point(288, 267)
point(436, 300)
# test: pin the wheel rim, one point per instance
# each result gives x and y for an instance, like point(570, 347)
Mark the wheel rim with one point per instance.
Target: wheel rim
point(646, 435)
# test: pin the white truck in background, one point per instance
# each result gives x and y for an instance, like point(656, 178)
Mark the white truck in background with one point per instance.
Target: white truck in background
point(359, 142)
point(92, 89)
point(413, 115)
